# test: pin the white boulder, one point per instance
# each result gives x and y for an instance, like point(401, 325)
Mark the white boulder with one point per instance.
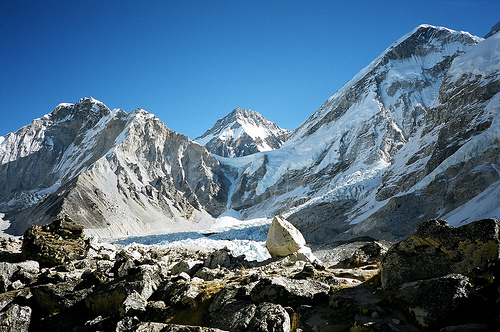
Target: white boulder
point(283, 239)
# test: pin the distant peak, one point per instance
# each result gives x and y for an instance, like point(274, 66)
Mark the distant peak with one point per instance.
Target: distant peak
point(90, 100)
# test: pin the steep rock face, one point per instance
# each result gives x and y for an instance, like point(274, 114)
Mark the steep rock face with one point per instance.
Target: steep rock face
point(450, 170)
point(337, 158)
point(117, 173)
point(241, 133)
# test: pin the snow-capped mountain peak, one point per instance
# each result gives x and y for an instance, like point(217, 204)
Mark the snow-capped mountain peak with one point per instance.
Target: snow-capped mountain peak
point(242, 132)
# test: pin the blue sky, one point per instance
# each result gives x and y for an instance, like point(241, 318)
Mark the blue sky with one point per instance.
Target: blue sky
point(192, 62)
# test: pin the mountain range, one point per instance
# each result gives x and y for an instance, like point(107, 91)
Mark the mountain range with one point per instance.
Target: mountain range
point(413, 136)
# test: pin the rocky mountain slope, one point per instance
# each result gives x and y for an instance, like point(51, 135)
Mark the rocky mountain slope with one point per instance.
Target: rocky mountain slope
point(241, 133)
point(391, 148)
point(412, 137)
point(120, 173)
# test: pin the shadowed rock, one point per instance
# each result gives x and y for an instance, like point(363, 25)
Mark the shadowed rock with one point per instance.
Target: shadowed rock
point(437, 249)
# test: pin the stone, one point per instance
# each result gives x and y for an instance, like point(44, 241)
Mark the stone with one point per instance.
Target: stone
point(289, 292)
point(223, 258)
point(187, 328)
point(188, 266)
point(15, 295)
point(15, 319)
point(369, 253)
point(270, 317)
point(54, 244)
point(23, 272)
point(440, 302)
point(149, 327)
point(240, 316)
point(228, 294)
point(7, 271)
point(54, 298)
point(466, 328)
point(133, 303)
point(126, 323)
point(109, 298)
point(283, 238)
point(437, 249)
point(208, 274)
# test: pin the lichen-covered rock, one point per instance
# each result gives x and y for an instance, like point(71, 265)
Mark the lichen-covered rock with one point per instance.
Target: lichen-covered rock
point(115, 297)
point(160, 327)
point(283, 238)
point(54, 298)
point(54, 244)
point(240, 316)
point(289, 291)
point(15, 319)
point(188, 266)
point(441, 301)
point(23, 272)
point(437, 249)
point(224, 258)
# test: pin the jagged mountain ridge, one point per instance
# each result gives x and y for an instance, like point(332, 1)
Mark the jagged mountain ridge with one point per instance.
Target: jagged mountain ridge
point(395, 146)
point(241, 133)
point(326, 177)
point(118, 173)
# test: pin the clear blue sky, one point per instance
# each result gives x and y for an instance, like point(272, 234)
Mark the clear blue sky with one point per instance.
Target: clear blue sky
point(192, 62)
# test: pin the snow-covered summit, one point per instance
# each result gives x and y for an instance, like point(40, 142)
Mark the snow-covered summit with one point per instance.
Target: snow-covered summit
point(243, 132)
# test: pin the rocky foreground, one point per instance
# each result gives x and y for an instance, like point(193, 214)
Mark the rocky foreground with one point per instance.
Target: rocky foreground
point(439, 279)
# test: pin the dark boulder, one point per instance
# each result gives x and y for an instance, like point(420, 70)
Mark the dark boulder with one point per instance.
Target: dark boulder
point(124, 294)
point(437, 249)
point(54, 298)
point(240, 316)
point(441, 302)
point(287, 291)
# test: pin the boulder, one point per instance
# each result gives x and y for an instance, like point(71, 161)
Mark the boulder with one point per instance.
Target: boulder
point(54, 244)
point(15, 319)
point(440, 302)
point(18, 295)
point(23, 272)
point(240, 316)
point(289, 292)
point(188, 266)
point(122, 294)
point(208, 274)
point(283, 238)
point(54, 298)
point(437, 249)
point(160, 327)
point(367, 254)
point(223, 258)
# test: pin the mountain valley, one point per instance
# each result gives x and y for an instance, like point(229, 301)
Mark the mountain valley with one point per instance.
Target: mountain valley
point(413, 136)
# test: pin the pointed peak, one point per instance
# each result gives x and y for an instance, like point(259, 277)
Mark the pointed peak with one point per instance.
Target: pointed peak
point(90, 101)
